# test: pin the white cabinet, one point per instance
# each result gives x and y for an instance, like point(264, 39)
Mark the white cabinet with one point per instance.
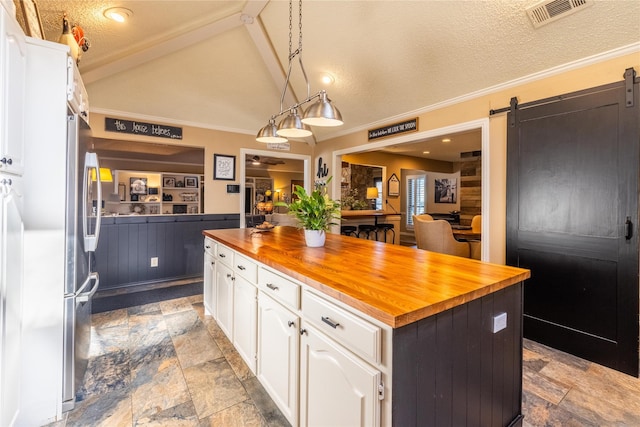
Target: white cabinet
point(337, 388)
point(13, 52)
point(224, 298)
point(209, 278)
point(322, 362)
point(245, 307)
point(11, 264)
point(278, 359)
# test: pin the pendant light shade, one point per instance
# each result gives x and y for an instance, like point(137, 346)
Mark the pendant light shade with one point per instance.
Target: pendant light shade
point(292, 126)
point(322, 113)
point(268, 134)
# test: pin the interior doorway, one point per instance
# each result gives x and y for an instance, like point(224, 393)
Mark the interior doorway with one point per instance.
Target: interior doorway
point(263, 180)
point(482, 125)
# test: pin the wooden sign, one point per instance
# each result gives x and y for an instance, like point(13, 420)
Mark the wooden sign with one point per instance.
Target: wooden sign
point(394, 129)
point(141, 128)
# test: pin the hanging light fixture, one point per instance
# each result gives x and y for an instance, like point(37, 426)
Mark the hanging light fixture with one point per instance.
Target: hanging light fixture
point(321, 113)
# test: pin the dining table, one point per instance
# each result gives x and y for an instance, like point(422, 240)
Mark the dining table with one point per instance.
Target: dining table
point(466, 234)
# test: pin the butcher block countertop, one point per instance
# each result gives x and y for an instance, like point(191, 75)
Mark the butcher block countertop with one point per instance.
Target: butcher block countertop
point(396, 285)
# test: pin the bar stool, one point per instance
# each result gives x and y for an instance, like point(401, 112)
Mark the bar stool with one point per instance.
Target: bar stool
point(384, 227)
point(367, 230)
point(349, 230)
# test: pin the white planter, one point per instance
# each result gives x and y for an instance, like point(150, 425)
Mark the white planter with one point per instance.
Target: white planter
point(314, 238)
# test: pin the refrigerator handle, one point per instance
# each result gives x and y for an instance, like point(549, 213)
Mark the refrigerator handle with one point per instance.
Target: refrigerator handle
point(91, 240)
point(86, 296)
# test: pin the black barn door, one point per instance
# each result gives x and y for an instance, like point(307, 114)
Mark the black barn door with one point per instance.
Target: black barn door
point(572, 218)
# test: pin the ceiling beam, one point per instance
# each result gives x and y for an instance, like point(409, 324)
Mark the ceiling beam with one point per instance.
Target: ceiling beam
point(164, 48)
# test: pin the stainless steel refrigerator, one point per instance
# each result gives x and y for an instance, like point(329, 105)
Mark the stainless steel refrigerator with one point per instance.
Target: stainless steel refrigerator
point(62, 184)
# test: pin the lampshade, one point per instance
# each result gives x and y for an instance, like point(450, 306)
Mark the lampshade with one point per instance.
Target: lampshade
point(292, 126)
point(105, 175)
point(322, 113)
point(268, 134)
point(372, 193)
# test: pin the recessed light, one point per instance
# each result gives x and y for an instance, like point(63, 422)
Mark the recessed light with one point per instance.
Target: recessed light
point(446, 140)
point(328, 79)
point(118, 14)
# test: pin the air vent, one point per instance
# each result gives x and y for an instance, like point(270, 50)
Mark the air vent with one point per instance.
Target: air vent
point(470, 154)
point(550, 10)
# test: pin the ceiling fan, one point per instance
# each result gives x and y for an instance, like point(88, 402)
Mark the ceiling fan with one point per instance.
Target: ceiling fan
point(257, 160)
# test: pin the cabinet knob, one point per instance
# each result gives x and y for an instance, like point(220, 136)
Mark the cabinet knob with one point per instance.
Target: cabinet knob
point(6, 181)
point(303, 331)
point(6, 161)
point(228, 275)
point(291, 323)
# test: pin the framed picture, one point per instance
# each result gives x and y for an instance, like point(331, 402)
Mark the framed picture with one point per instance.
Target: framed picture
point(31, 18)
point(393, 186)
point(445, 190)
point(138, 185)
point(224, 167)
point(191, 181)
point(168, 181)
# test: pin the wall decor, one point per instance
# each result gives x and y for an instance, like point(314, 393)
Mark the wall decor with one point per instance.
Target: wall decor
point(30, 19)
point(168, 181)
point(445, 190)
point(394, 129)
point(141, 128)
point(393, 186)
point(190, 181)
point(224, 167)
point(138, 185)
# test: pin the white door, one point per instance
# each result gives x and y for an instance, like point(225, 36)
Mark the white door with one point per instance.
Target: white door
point(11, 247)
point(278, 343)
point(337, 388)
point(13, 50)
point(224, 299)
point(209, 284)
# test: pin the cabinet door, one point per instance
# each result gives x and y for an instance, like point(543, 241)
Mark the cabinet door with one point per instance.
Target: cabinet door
point(224, 299)
point(13, 51)
point(245, 320)
point(278, 342)
point(337, 388)
point(11, 244)
point(209, 284)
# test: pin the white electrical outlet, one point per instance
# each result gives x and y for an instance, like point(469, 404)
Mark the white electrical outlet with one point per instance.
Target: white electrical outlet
point(154, 261)
point(499, 322)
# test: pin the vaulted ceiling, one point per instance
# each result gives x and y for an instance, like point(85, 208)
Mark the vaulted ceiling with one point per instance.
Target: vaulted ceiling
point(222, 64)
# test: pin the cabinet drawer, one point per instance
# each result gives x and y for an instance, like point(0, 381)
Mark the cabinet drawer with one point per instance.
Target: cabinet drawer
point(355, 333)
point(210, 246)
point(245, 267)
point(279, 288)
point(225, 255)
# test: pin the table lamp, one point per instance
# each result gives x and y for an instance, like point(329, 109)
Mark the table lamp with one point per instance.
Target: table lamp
point(372, 194)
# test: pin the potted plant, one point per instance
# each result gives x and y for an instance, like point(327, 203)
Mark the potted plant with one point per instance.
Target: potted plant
point(316, 212)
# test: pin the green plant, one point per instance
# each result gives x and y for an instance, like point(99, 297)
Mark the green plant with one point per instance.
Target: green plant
point(351, 201)
point(315, 210)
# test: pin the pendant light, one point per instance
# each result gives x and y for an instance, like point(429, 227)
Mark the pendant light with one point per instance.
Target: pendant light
point(321, 113)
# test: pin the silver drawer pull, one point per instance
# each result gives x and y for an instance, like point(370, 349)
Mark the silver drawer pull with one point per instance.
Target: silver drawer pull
point(272, 286)
point(221, 255)
point(241, 267)
point(330, 322)
point(291, 323)
point(228, 275)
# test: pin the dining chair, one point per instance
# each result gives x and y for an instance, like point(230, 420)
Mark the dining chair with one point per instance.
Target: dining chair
point(476, 224)
point(437, 236)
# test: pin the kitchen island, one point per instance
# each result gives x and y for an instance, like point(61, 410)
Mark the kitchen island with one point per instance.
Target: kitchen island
point(375, 334)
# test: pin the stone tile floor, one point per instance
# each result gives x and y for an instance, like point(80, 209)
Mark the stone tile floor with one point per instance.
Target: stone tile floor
point(167, 364)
